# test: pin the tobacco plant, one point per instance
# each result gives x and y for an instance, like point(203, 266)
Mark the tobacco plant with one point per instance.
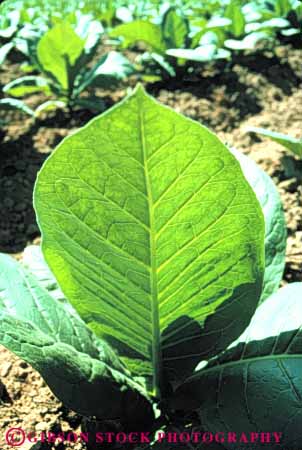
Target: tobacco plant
point(173, 45)
point(63, 55)
point(162, 242)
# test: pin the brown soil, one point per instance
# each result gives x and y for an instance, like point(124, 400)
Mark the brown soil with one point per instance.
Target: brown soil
point(259, 90)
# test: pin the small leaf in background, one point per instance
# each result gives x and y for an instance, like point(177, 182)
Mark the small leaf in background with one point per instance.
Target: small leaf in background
point(200, 54)
point(291, 32)
point(10, 104)
point(218, 22)
point(27, 67)
point(264, 368)
point(140, 31)
point(235, 14)
point(58, 47)
point(9, 24)
point(267, 24)
point(4, 51)
point(124, 14)
point(163, 63)
point(175, 28)
point(249, 42)
point(90, 31)
point(49, 105)
point(27, 85)
point(107, 72)
point(283, 7)
point(111, 68)
point(289, 142)
point(139, 211)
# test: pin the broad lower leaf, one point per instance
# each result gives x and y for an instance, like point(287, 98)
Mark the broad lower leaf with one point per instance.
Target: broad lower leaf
point(291, 143)
point(82, 371)
point(257, 384)
point(11, 104)
point(58, 49)
point(33, 260)
point(140, 31)
point(175, 28)
point(154, 236)
point(275, 225)
point(27, 85)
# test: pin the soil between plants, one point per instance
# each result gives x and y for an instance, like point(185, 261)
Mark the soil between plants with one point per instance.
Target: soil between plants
point(263, 90)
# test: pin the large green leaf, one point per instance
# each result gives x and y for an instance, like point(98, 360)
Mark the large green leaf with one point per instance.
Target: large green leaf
point(82, 371)
point(275, 225)
point(140, 31)
point(58, 49)
point(289, 142)
point(256, 385)
point(154, 235)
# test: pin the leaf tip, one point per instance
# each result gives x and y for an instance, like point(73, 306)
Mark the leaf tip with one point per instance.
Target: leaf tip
point(139, 90)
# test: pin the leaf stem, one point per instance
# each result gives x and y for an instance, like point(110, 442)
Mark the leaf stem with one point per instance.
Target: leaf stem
point(156, 344)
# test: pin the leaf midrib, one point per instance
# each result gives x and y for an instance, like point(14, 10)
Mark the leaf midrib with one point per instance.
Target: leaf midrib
point(156, 345)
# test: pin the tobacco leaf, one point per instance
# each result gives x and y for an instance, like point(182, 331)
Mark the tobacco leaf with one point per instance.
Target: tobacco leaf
point(154, 235)
point(255, 385)
point(82, 371)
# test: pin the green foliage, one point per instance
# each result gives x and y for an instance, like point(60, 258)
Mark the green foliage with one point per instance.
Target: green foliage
point(12, 104)
point(140, 31)
point(146, 214)
point(257, 377)
point(275, 225)
point(50, 336)
point(182, 35)
point(57, 52)
point(171, 43)
point(289, 142)
point(178, 36)
point(168, 258)
point(62, 55)
point(235, 14)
